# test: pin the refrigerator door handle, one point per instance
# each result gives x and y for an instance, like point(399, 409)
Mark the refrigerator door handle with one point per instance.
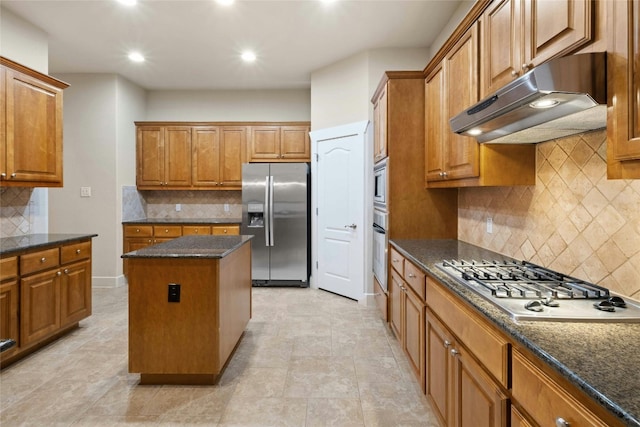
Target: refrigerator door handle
point(271, 242)
point(267, 217)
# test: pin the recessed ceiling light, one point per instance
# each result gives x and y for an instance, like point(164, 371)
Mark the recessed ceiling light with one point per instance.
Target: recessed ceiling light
point(248, 56)
point(225, 2)
point(136, 57)
point(128, 2)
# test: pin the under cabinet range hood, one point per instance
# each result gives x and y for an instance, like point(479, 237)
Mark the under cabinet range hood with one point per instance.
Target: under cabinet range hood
point(559, 98)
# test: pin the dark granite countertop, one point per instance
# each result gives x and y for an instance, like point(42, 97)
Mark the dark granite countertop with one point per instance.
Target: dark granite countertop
point(192, 247)
point(18, 244)
point(184, 221)
point(602, 359)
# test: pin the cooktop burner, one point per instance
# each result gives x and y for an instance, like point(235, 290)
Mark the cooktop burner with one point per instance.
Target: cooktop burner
point(530, 292)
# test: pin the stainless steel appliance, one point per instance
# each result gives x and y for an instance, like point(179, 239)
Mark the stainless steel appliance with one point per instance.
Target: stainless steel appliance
point(275, 210)
point(561, 97)
point(380, 240)
point(380, 183)
point(530, 292)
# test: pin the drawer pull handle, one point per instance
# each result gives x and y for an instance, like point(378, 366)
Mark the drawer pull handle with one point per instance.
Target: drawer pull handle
point(447, 343)
point(454, 352)
point(78, 251)
point(561, 422)
point(43, 259)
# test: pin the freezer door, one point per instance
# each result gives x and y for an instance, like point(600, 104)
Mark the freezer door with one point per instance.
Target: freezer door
point(255, 216)
point(290, 209)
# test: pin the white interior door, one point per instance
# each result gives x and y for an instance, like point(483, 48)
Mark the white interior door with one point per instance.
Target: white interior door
point(341, 225)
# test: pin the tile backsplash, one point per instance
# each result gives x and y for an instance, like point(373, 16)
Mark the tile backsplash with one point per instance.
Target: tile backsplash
point(573, 220)
point(15, 211)
point(193, 204)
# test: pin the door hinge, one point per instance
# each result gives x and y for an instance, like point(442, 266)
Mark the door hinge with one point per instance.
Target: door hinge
point(317, 157)
point(316, 265)
point(316, 211)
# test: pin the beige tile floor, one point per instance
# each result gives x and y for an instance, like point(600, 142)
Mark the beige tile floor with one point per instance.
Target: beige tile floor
point(307, 358)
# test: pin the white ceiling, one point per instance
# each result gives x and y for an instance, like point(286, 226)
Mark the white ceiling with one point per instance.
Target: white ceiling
point(196, 44)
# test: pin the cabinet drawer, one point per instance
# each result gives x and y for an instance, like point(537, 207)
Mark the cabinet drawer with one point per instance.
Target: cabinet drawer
point(231, 230)
point(189, 230)
point(415, 278)
point(397, 261)
point(138, 231)
point(160, 231)
point(491, 348)
point(8, 268)
point(75, 252)
point(38, 261)
point(545, 400)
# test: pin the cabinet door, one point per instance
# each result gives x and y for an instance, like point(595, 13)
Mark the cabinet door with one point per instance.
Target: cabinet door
point(39, 306)
point(554, 28)
point(264, 144)
point(380, 127)
point(206, 156)
point(9, 313)
point(177, 161)
point(295, 143)
point(33, 130)
point(501, 53)
point(3, 124)
point(438, 368)
point(436, 131)
point(75, 292)
point(150, 156)
point(414, 324)
point(395, 308)
point(461, 77)
point(517, 419)
point(233, 153)
point(479, 402)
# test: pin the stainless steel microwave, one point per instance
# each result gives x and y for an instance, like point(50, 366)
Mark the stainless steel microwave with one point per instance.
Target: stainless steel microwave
point(380, 185)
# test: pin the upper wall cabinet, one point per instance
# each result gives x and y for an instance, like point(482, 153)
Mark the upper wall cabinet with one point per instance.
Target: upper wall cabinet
point(30, 127)
point(518, 35)
point(163, 155)
point(623, 121)
point(275, 143)
point(218, 154)
point(380, 124)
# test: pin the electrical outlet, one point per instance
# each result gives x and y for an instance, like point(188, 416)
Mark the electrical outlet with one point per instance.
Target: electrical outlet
point(226, 207)
point(178, 207)
point(489, 225)
point(85, 191)
point(174, 292)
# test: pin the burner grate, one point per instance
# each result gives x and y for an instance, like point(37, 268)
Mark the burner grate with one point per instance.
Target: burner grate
point(522, 279)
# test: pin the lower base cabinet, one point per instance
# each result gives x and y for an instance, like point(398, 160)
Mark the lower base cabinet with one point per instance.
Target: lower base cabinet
point(460, 391)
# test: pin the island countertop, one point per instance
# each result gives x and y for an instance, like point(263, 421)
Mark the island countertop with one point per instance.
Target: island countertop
point(192, 247)
point(601, 359)
point(18, 244)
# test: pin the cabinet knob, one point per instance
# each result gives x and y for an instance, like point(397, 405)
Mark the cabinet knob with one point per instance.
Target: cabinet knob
point(66, 271)
point(77, 251)
point(561, 422)
point(411, 275)
point(3, 175)
point(395, 260)
point(137, 230)
point(444, 174)
point(527, 67)
point(166, 230)
point(447, 343)
point(225, 231)
point(514, 73)
point(58, 273)
point(454, 352)
point(43, 259)
point(13, 175)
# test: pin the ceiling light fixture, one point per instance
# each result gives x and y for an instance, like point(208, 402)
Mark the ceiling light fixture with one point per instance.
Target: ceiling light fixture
point(248, 56)
point(136, 57)
point(128, 2)
point(545, 103)
point(474, 132)
point(225, 2)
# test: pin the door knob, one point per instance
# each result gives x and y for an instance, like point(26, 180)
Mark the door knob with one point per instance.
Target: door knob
point(351, 226)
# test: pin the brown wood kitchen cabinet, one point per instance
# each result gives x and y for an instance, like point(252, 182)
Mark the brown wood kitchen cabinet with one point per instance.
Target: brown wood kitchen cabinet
point(9, 300)
point(218, 155)
point(163, 157)
point(623, 123)
point(279, 143)
point(519, 35)
point(30, 127)
point(380, 124)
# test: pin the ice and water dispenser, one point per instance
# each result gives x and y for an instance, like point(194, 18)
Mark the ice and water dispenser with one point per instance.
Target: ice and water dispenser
point(256, 215)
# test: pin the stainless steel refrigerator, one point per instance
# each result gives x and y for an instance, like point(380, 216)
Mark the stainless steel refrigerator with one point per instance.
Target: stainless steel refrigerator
point(275, 210)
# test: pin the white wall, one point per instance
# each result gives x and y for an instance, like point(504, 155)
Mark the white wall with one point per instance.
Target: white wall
point(99, 152)
point(228, 105)
point(457, 17)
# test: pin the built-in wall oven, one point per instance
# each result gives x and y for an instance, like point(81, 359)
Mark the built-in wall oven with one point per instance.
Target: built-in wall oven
point(380, 185)
point(380, 240)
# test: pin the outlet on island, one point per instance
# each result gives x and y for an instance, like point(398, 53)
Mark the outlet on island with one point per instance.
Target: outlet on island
point(174, 292)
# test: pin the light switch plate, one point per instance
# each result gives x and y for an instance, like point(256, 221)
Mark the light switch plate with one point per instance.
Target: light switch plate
point(489, 225)
point(85, 191)
point(178, 207)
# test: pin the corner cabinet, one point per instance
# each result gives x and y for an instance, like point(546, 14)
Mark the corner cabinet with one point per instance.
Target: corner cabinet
point(623, 120)
point(30, 128)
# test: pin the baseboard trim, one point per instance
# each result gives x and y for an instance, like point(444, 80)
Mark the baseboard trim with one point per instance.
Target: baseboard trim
point(108, 282)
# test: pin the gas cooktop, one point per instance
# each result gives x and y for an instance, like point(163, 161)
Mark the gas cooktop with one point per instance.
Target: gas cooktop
point(527, 291)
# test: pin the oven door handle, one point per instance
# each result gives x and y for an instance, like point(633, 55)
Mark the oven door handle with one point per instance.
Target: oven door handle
point(378, 229)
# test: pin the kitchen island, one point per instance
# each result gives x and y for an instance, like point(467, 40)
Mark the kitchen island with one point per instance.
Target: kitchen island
point(189, 303)
point(598, 362)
